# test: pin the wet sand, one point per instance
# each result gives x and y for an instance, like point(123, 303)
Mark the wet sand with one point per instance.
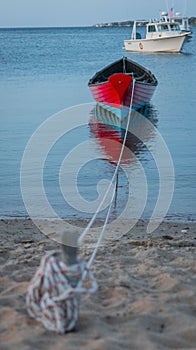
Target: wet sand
point(146, 297)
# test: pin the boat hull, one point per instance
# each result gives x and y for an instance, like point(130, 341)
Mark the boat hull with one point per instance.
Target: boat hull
point(123, 85)
point(105, 96)
point(164, 44)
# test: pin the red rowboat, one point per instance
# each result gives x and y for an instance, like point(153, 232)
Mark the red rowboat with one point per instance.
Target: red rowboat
point(112, 86)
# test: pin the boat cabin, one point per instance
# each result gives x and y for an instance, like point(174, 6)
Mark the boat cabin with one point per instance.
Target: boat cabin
point(161, 28)
point(158, 28)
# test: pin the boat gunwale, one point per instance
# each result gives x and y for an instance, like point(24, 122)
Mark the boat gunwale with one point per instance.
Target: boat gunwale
point(150, 75)
point(136, 81)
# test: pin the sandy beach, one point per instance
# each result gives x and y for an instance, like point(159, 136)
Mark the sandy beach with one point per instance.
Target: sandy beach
point(146, 297)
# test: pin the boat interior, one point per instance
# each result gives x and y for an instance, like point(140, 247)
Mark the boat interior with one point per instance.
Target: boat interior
point(127, 67)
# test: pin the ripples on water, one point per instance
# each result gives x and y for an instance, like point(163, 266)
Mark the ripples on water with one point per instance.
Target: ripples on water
point(45, 70)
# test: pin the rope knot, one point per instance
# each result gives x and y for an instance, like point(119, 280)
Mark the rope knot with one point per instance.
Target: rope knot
point(51, 299)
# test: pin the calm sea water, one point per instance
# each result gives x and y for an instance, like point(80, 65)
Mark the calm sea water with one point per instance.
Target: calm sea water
point(43, 71)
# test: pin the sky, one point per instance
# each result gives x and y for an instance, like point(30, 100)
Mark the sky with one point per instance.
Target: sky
point(44, 13)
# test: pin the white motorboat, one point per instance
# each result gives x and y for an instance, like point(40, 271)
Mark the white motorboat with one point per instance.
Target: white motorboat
point(162, 35)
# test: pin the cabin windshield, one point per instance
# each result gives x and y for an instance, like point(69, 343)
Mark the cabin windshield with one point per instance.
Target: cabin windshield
point(151, 29)
point(174, 26)
point(163, 27)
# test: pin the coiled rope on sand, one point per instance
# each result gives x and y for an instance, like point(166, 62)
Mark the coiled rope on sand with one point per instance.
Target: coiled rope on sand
point(51, 299)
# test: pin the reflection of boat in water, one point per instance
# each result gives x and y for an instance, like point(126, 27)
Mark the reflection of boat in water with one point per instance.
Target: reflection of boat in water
point(109, 132)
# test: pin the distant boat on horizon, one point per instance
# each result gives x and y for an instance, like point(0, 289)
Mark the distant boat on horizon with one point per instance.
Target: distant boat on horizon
point(162, 35)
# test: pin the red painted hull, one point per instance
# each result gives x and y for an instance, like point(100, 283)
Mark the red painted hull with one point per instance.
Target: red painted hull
point(113, 86)
point(105, 94)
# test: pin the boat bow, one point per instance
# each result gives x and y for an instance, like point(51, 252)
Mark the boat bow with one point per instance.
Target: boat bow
point(120, 83)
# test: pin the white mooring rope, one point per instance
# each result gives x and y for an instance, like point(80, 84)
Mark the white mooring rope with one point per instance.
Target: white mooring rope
point(51, 299)
point(113, 177)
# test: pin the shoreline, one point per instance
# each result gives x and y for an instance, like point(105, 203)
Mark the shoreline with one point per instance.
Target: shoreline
point(145, 298)
point(168, 218)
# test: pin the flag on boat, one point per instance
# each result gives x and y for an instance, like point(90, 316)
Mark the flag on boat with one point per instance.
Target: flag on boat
point(171, 12)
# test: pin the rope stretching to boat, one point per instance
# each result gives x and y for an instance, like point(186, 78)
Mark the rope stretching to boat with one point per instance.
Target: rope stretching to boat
point(51, 299)
point(114, 178)
point(114, 175)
